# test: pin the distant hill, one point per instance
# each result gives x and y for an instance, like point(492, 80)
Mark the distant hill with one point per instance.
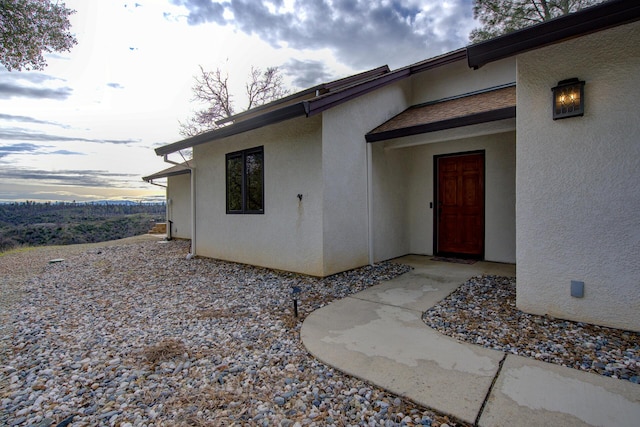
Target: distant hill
point(39, 224)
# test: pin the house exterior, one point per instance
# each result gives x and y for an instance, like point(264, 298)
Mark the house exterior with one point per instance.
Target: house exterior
point(349, 213)
point(178, 196)
point(578, 179)
point(432, 159)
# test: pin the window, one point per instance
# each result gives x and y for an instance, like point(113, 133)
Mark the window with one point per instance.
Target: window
point(245, 181)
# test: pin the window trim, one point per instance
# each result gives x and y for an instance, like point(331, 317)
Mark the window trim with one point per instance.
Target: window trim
point(243, 154)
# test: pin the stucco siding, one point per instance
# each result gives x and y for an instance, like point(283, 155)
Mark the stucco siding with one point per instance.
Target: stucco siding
point(179, 205)
point(344, 157)
point(578, 180)
point(390, 202)
point(288, 235)
point(499, 152)
point(458, 79)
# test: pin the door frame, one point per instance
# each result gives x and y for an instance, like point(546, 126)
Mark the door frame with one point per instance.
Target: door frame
point(435, 206)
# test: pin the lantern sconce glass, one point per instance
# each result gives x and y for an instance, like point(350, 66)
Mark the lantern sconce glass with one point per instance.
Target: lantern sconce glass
point(568, 99)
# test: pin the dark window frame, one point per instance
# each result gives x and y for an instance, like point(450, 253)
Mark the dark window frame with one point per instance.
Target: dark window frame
point(242, 155)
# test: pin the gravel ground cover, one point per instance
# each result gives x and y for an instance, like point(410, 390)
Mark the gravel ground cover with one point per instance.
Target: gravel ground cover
point(483, 311)
point(136, 335)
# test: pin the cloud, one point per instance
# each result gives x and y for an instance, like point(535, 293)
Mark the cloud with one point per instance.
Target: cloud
point(362, 33)
point(26, 119)
point(20, 148)
point(8, 91)
point(40, 193)
point(67, 152)
point(115, 85)
point(18, 192)
point(27, 148)
point(26, 84)
point(29, 76)
point(306, 73)
point(202, 11)
point(79, 177)
point(16, 134)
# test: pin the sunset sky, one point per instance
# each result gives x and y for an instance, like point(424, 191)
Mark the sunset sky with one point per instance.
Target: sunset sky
point(85, 127)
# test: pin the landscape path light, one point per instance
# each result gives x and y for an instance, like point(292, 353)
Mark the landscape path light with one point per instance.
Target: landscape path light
point(294, 294)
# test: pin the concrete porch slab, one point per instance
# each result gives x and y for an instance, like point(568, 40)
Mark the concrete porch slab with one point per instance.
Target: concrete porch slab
point(453, 271)
point(413, 291)
point(429, 282)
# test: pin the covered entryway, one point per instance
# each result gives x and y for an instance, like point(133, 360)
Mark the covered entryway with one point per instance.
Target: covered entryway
point(459, 219)
point(443, 179)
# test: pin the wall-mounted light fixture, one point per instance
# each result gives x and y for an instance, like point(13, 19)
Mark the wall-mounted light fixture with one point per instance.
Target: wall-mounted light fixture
point(568, 99)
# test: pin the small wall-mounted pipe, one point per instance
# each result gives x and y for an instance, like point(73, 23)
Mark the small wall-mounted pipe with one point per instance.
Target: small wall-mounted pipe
point(295, 291)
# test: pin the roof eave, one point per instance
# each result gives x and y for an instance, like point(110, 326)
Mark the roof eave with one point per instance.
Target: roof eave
point(345, 81)
point(471, 119)
point(378, 77)
point(165, 175)
point(330, 100)
point(271, 117)
point(439, 61)
point(586, 21)
point(309, 91)
point(357, 78)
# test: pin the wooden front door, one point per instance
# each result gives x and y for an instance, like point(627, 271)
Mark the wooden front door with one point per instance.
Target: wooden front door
point(460, 205)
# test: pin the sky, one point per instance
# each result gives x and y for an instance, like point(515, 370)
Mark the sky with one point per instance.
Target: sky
point(84, 128)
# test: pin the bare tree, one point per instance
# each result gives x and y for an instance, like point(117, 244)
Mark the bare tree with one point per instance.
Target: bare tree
point(504, 16)
point(28, 28)
point(212, 89)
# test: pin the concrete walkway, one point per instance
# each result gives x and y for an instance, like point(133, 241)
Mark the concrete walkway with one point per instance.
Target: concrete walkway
point(378, 335)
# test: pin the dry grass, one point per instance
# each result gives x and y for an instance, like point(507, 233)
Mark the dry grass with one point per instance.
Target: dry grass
point(290, 322)
point(165, 350)
point(216, 406)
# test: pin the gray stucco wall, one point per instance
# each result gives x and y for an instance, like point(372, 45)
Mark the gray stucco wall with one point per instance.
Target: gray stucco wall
point(345, 165)
point(179, 205)
point(457, 79)
point(288, 236)
point(578, 180)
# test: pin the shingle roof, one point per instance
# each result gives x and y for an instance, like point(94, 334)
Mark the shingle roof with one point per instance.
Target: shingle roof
point(308, 94)
point(331, 95)
point(296, 105)
point(464, 110)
